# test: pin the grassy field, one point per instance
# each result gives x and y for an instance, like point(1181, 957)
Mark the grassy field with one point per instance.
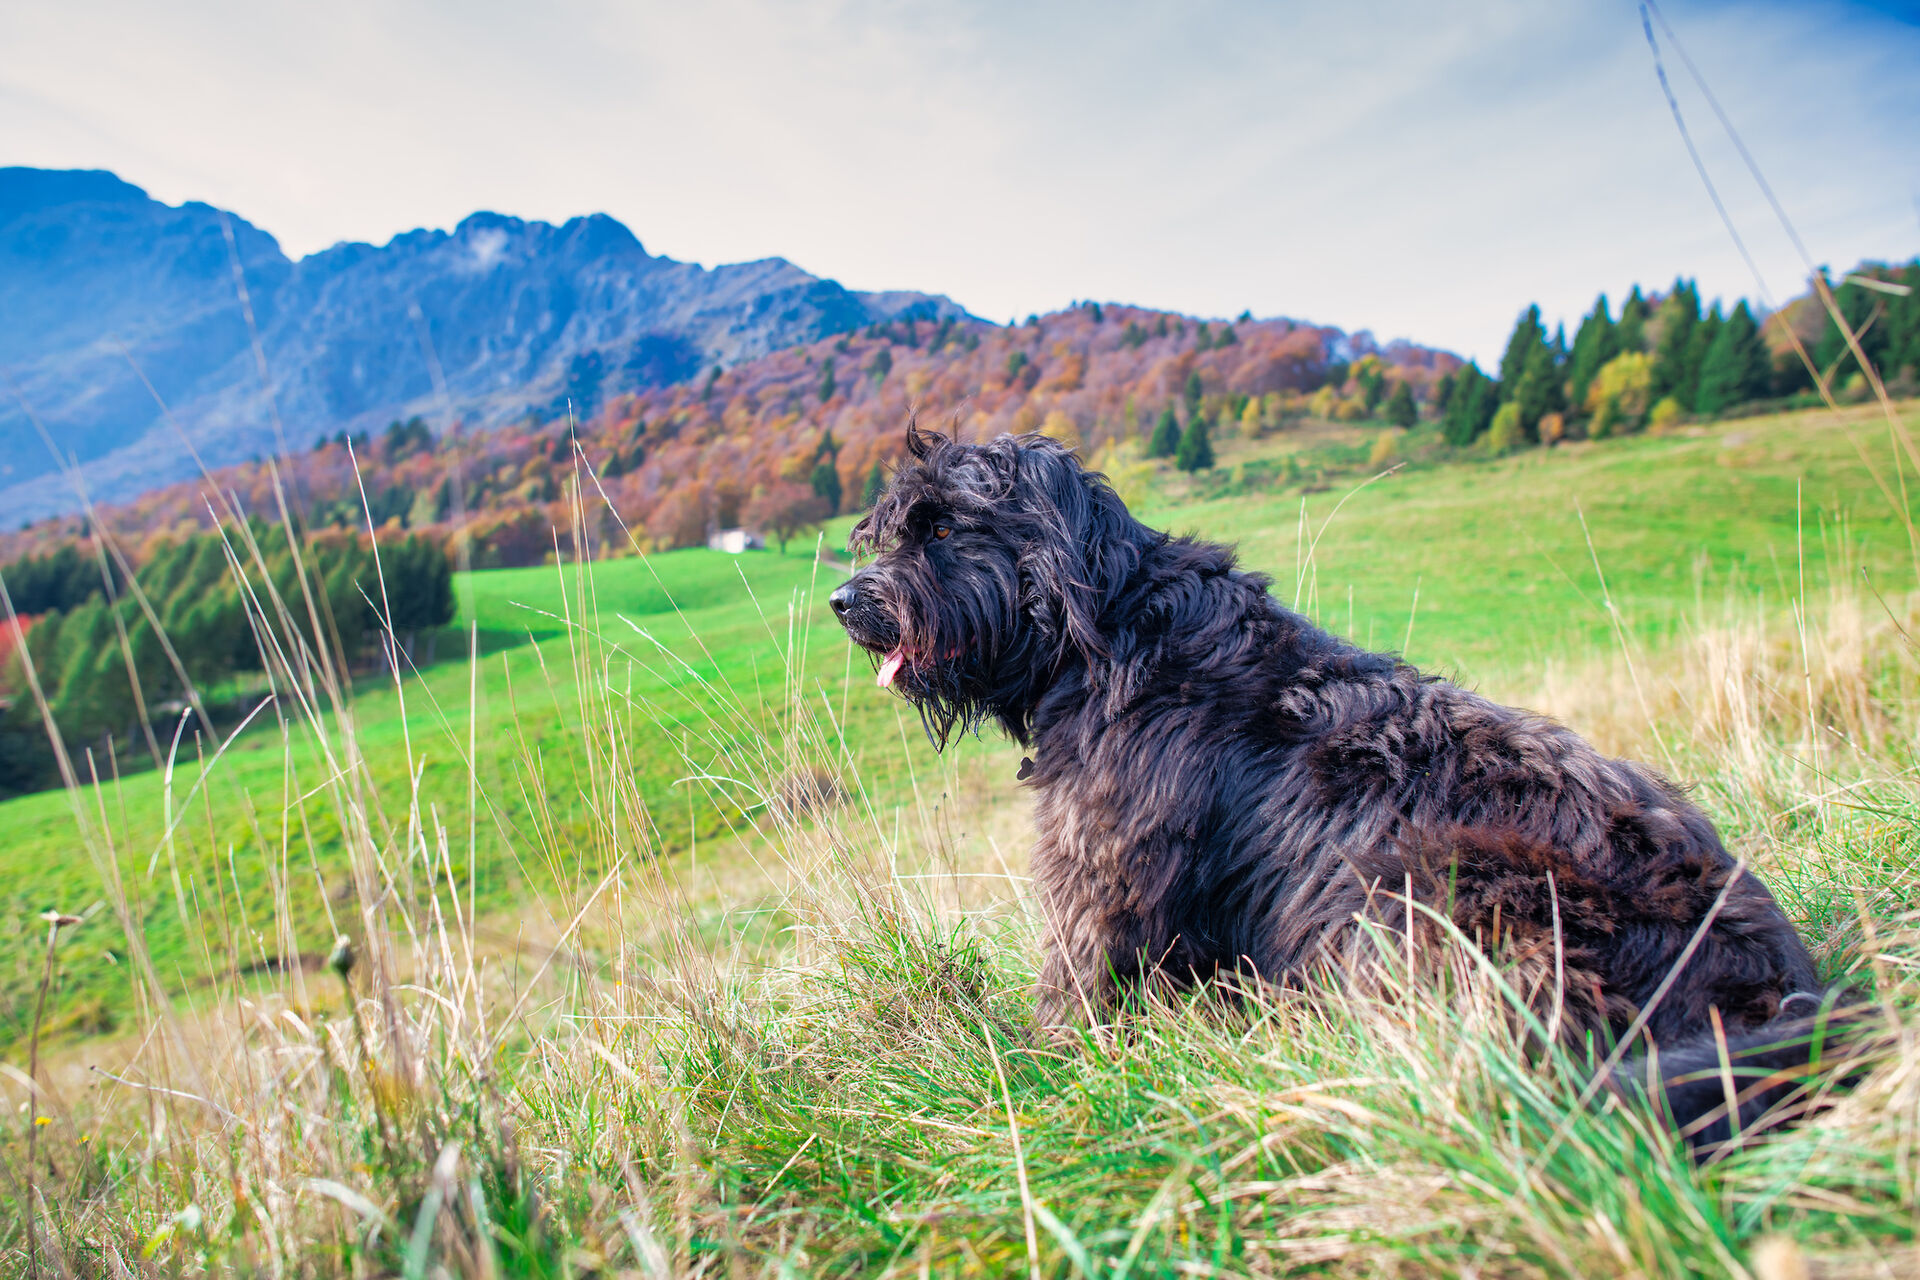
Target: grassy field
point(1503, 554)
point(685, 636)
point(680, 950)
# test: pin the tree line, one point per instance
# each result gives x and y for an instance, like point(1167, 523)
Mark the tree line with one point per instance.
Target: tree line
point(676, 458)
point(116, 658)
point(1666, 357)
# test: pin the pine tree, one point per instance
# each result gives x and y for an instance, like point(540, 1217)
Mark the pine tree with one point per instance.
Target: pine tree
point(1719, 375)
point(1195, 451)
point(1400, 407)
point(876, 485)
point(826, 483)
point(1678, 316)
point(1470, 407)
point(1885, 327)
point(1373, 383)
point(1166, 435)
point(1736, 367)
point(1903, 325)
point(1698, 343)
point(1539, 391)
point(1193, 391)
point(1593, 346)
point(826, 382)
point(1527, 335)
point(1631, 333)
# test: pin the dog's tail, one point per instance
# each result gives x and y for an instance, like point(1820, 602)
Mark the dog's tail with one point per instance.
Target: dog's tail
point(1718, 1088)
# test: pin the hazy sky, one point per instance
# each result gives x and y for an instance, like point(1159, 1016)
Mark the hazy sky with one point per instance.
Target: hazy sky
point(1421, 169)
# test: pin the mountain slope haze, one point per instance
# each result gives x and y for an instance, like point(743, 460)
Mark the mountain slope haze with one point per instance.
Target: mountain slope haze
point(100, 284)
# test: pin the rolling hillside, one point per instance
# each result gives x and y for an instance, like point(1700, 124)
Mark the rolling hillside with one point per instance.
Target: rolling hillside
point(679, 459)
point(668, 948)
point(1480, 569)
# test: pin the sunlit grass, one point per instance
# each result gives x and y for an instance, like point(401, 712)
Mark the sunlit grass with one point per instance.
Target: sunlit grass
point(676, 951)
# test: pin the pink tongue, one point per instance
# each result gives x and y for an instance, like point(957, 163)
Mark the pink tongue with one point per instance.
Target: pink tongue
point(890, 667)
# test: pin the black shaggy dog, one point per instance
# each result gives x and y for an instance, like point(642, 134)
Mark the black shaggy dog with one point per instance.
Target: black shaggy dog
point(1224, 788)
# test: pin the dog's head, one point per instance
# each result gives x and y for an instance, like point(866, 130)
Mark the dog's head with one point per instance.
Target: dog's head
point(996, 564)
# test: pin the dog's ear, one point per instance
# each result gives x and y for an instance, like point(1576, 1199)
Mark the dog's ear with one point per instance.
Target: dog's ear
point(920, 443)
point(1080, 552)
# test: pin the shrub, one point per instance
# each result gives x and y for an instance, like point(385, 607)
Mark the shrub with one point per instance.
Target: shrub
point(1506, 434)
point(1619, 393)
point(1666, 413)
point(1252, 418)
point(1386, 449)
point(1607, 420)
point(1121, 462)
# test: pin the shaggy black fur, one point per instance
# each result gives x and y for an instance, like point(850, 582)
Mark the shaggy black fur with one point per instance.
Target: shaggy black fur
point(1222, 787)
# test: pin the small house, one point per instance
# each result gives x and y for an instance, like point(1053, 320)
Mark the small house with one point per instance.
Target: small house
point(735, 541)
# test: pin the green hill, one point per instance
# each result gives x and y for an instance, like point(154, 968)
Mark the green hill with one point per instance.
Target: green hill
point(675, 948)
point(1480, 569)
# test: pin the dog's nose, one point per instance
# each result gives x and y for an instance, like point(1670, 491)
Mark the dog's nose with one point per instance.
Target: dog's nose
point(842, 598)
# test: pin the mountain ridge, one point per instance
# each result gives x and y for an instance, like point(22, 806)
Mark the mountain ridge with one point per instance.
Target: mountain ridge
point(103, 287)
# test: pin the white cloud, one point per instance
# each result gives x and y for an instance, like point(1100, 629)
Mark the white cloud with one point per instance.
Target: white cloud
point(1424, 170)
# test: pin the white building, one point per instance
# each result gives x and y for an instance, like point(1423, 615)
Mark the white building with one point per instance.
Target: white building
point(735, 541)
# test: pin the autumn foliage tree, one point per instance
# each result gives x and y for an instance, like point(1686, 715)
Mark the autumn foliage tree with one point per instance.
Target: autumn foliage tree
point(664, 453)
point(785, 509)
point(680, 520)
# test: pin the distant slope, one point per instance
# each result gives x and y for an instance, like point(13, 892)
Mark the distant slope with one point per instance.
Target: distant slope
point(93, 271)
point(673, 460)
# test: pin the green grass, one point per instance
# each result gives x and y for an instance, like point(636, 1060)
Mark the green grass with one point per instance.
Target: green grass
point(691, 1026)
point(1499, 552)
point(232, 834)
point(1481, 569)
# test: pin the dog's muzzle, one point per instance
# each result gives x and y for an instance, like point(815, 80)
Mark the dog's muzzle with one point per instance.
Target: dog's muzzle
point(847, 602)
point(844, 597)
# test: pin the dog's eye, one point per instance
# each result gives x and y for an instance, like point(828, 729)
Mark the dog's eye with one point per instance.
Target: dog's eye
point(941, 530)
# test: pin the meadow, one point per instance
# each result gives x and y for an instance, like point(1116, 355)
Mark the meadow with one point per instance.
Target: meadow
point(675, 949)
